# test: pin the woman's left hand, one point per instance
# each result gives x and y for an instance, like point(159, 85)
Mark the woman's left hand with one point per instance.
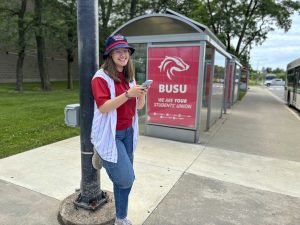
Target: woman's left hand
point(145, 91)
point(141, 99)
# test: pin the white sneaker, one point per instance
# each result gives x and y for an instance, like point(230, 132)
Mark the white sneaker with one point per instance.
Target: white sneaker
point(124, 221)
point(96, 161)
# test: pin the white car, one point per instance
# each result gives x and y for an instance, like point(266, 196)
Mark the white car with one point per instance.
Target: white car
point(274, 82)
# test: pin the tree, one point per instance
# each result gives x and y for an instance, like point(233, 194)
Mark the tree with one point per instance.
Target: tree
point(17, 10)
point(70, 19)
point(40, 44)
point(247, 21)
point(105, 12)
point(21, 46)
point(133, 8)
point(61, 24)
point(280, 73)
point(113, 14)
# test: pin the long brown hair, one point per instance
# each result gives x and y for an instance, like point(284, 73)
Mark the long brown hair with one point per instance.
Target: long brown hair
point(110, 68)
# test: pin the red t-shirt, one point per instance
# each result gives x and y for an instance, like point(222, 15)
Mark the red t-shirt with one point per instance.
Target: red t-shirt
point(101, 93)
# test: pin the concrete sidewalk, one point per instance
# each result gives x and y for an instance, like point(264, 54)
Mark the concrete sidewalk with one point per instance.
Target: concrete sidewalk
point(248, 172)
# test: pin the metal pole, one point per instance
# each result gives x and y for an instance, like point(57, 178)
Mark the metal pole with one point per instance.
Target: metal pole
point(91, 196)
point(226, 85)
point(200, 89)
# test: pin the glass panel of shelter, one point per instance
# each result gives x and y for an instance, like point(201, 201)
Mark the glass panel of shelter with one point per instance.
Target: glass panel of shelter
point(206, 87)
point(236, 83)
point(217, 87)
point(139, 59)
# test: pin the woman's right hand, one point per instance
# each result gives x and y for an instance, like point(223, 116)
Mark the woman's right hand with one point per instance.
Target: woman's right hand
point(135, 91)
point(114, 103)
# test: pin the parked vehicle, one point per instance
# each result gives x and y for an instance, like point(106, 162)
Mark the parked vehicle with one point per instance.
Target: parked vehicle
point(269, 78)
point(274, 82)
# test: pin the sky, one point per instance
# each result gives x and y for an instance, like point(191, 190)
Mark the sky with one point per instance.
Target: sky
point(279, 49)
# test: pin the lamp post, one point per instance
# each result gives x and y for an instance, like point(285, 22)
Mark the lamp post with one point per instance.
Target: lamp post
point(76, 209)
point(90, 196)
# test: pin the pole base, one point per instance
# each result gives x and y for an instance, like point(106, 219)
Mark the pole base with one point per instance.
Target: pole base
point(95, 204)
point(70, 214)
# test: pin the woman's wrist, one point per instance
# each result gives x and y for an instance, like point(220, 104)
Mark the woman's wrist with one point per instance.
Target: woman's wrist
point(127, 95)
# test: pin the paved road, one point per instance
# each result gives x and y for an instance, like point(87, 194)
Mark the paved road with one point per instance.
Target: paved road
point(277, 91)
point(261, 125)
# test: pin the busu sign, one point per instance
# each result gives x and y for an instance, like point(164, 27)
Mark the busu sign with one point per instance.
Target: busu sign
point(172, 99)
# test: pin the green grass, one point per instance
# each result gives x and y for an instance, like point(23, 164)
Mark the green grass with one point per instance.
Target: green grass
point(34, 118)
point(242, 94)
point(254, 82)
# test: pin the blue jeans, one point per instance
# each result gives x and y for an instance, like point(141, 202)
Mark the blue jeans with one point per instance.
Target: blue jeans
point(121, 173)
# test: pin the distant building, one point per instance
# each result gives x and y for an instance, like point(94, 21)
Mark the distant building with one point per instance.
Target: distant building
point(56, 66)
point(56, 63)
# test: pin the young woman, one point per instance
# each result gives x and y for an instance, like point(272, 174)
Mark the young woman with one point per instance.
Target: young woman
point(115, 124)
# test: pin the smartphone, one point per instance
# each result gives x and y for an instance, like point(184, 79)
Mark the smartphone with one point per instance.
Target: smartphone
point(147, 83)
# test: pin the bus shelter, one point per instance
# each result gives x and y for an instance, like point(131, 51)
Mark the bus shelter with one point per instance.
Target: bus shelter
point(243, 85)
point(187, 64)
point(234, 69)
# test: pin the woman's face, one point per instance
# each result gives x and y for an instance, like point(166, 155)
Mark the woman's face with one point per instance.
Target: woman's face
point(120, 57)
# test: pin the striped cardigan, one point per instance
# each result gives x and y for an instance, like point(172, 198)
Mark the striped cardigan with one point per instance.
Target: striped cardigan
point(104, 125)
